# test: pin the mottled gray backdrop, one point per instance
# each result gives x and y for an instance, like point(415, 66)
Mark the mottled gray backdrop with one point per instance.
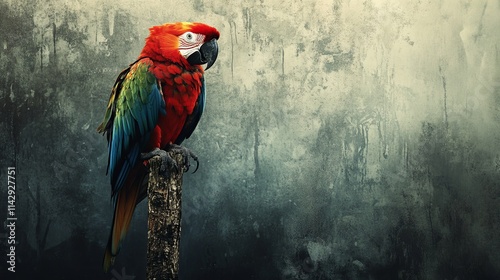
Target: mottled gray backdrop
point(341, 140)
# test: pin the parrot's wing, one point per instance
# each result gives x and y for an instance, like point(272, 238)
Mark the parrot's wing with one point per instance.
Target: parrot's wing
point(193, 119)
point(134, 106)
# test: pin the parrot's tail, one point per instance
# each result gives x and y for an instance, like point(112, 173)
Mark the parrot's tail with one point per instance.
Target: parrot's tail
point(127, 198)
point(108, 257)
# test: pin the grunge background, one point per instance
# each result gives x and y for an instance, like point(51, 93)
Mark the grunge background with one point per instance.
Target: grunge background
point(341, 140)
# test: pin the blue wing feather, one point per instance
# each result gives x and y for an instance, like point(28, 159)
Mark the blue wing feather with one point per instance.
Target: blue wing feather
point(135, 104)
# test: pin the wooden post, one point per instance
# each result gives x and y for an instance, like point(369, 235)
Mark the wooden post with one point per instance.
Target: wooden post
point(164, 220)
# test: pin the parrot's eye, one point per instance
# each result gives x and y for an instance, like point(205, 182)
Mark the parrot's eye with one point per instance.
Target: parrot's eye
point(189, 37)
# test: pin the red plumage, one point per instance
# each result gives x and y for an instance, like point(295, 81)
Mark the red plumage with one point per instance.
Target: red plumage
point(181, 82)
point(181, 89)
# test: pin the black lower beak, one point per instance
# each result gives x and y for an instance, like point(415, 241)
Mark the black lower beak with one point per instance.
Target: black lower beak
point(207, 54)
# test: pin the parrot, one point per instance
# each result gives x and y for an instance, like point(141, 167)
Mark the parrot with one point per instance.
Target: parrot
point(155, 104)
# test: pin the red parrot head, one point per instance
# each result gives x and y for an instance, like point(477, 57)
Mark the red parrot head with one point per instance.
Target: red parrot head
point(188, 43)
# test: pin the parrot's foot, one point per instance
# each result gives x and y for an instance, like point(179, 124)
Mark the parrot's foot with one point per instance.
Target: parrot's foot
point(167, 162)
point(186, 153)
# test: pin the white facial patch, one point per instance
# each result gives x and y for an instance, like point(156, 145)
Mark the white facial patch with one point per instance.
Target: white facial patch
point(189, 43)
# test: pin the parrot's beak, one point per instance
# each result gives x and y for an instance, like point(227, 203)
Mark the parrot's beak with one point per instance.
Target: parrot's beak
point(206, 55)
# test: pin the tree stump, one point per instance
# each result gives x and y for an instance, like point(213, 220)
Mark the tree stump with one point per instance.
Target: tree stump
point(164, 220)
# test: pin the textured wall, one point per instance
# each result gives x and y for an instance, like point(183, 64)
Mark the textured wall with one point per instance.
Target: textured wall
point(341, 140)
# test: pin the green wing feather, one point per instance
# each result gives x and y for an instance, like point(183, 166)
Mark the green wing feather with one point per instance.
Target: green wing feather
point(134, 106)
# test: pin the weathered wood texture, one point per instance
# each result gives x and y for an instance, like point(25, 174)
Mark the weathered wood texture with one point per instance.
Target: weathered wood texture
point(164, 221)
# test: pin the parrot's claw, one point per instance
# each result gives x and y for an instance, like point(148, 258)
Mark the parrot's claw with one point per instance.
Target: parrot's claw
point(186, 153)
point(167, 162)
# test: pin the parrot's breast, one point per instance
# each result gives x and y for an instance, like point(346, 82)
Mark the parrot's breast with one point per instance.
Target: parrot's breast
point(181, 88)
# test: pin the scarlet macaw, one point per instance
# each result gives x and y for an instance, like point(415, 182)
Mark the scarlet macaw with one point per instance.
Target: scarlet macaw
point(154, 105)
